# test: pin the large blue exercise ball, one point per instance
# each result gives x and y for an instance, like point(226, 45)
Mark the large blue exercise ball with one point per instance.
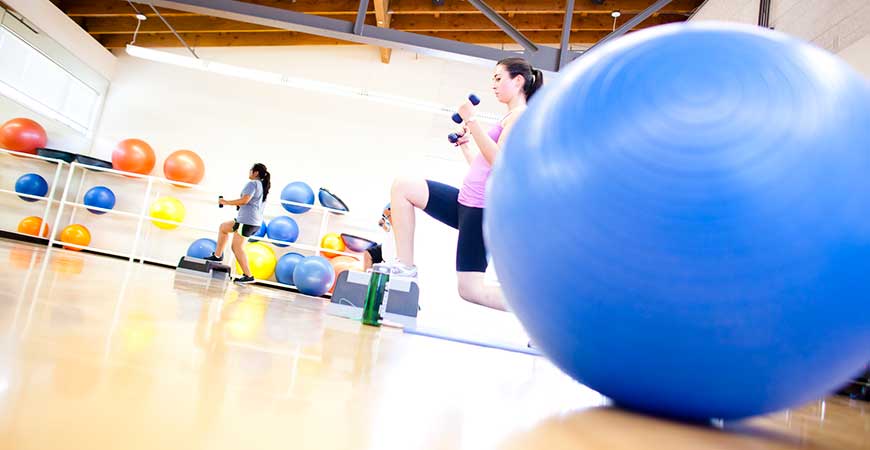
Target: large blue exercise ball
point(298, 192)
point(313, 275)
point(201, 248)
point(32, 184)
point(286, 266)
point(100, 197)
point(284, 229)
point(703, 241)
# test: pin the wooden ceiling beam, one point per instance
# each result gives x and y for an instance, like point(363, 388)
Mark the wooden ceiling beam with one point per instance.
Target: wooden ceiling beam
point(413, 23)
point(186, 24)
point(117, 8)
point(522, 22)
point(517, 7)
point(383, 19)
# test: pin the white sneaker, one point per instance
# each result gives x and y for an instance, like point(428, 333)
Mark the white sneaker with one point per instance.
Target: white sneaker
point(400, 269)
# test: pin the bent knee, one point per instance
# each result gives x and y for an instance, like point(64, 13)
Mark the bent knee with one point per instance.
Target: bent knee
point(468, 292)
point(402, 185)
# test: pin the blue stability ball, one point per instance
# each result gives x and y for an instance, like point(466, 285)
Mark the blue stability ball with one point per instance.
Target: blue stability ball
point(286, 266)
point(705, 245)
point(201, 248)
point(261, 232)
point(100, 197)
point(313, 275)
point(283, 228)
point(299, 192)
point(33, 184)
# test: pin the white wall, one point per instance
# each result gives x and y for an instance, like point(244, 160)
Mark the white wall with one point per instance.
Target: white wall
point(830, 24)
point(742, 11)
point(858, 55)
point(351, 146)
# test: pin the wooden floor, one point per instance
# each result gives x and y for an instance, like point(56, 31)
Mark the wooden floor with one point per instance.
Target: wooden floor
point(97, 353)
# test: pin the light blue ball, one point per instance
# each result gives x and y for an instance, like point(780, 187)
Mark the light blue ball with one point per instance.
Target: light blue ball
point(701, 243)
point(286, 266)
point(299, 192)
point(313, 275)
point(201, 248)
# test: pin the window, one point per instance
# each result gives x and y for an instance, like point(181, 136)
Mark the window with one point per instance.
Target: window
point(32, 79)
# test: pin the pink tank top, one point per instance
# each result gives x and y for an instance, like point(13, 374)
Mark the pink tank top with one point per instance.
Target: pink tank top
point(473, 190)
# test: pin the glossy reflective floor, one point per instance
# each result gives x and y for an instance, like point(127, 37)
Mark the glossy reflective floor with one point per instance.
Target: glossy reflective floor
point(97, 353)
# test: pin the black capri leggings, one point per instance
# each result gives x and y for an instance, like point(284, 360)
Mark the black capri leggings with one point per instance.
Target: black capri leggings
point(444, 206)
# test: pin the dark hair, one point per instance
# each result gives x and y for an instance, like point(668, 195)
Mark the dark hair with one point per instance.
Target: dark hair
point(264, 176)
point(519, 66)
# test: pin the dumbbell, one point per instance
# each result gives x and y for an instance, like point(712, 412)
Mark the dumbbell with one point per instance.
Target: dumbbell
point(454, 137)
point(221, 206)
point(474, 101)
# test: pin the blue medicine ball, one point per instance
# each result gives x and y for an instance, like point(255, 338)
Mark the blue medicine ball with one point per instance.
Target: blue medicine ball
point(201, 248)
point(286, 266)
point(100, 197)
point(704, 241)
point(299, 192)
point(283, 228)
point(313, 275)
point(32, 184)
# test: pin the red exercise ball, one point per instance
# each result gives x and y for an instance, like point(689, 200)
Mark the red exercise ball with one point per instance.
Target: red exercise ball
point(185, 166)
point(133, 155)
point(22, 135)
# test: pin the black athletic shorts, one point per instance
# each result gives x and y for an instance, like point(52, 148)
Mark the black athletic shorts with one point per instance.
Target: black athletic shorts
point(443, 205)
point(247, 230)
point(377, 254)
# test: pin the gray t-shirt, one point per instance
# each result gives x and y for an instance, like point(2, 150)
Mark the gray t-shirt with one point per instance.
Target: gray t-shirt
point(251, 213)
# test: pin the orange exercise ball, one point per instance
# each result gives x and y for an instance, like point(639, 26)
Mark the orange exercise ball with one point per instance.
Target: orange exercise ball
point(185, 166)
point(22, 135)
point(332, 241)
point(133, 155)
point(342, 263)
point(31, 225)
point(75, 234)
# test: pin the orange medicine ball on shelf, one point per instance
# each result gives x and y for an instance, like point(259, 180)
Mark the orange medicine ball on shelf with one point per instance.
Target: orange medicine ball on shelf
point(133, 155)
point(75, 234)
point(31, 225)
point(185, 166)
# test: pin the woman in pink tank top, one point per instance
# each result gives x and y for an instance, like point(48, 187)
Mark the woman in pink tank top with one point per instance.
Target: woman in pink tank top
point(513, 83)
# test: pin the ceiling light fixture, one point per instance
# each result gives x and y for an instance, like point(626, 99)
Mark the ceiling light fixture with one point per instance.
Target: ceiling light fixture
point(279, 79)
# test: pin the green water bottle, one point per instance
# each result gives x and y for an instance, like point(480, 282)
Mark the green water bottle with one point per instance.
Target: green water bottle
point(375, 294)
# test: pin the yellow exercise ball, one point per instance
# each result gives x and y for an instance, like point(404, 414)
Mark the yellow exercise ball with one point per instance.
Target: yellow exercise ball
point(261, 259)
point(167, 208)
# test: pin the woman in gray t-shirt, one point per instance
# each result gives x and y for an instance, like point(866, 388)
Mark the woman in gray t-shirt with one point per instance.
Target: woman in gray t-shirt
point(247, 222)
